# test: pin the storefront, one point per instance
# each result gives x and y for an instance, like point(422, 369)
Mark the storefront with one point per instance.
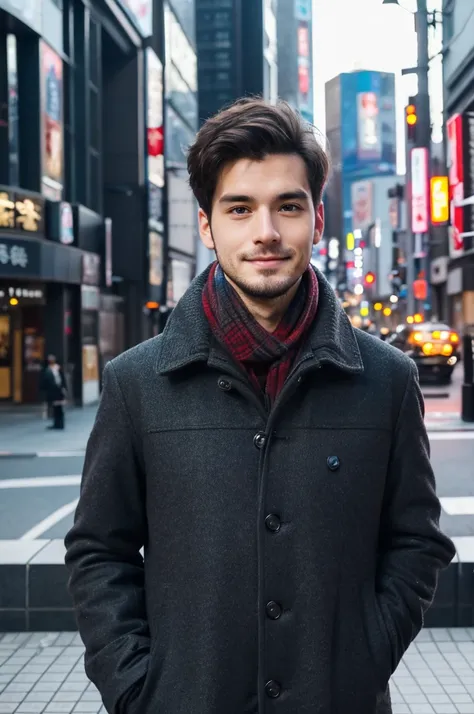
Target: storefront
point(22, 295)
point(22, 349)
point(49, 296)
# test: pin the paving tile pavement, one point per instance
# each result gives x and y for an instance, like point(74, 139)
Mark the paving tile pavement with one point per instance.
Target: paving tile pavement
point(43, 672)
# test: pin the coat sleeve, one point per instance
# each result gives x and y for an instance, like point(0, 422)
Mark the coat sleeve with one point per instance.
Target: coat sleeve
point(412, 548)
point(106, 574)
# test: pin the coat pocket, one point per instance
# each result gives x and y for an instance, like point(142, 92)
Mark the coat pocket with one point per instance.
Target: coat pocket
point(377, 640)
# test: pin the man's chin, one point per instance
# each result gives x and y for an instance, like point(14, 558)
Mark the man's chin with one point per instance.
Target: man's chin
point(270, 288)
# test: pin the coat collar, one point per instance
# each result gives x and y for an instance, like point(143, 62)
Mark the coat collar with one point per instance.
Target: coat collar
point(187, 335)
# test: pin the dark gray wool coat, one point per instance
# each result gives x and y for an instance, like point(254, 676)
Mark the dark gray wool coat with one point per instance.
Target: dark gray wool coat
point(288, 557)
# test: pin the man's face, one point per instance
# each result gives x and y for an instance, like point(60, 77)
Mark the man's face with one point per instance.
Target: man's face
point(264, 224)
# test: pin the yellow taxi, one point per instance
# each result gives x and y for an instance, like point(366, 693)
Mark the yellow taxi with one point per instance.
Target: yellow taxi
point(434, 347)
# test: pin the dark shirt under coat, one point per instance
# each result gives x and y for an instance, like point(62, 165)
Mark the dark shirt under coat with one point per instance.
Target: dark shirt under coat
point(289, 557)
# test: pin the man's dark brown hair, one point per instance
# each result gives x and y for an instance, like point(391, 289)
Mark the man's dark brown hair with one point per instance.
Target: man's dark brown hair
point(252, 128)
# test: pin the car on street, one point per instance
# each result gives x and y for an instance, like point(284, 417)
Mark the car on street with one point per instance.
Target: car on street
point(433, 346)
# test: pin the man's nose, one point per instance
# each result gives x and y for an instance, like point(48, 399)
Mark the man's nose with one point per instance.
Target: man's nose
point(267, 231)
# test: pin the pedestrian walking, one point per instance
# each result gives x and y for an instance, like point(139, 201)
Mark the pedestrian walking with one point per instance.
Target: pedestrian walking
point(270, 459)
point(54, 388)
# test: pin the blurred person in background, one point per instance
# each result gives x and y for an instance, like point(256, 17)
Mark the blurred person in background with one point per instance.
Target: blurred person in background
point(54, 390)
point(271, 460)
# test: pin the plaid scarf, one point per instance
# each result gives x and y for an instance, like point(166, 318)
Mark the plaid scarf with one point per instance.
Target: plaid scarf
point(264, 355)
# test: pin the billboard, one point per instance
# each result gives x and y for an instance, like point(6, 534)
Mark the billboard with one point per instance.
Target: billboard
point(454, 130)
point(361, 204)
point(305, 67)
point(368, 124)
point(51, 122)
point(420, 202)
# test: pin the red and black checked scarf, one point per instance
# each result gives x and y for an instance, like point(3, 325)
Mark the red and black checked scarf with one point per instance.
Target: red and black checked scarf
point(257, 350)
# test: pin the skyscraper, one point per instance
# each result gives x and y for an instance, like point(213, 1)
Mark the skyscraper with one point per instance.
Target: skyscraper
point(295, 55)
point(237, 51)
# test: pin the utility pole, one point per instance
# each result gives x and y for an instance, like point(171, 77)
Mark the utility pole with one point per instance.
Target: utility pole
point(423, 133)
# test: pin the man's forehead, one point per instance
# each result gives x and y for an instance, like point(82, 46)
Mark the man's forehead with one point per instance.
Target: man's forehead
point(264, 179)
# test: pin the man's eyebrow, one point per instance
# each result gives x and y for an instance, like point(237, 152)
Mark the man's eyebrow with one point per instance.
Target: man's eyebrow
point(286, 196)
point(291, 195)
point(235, 198)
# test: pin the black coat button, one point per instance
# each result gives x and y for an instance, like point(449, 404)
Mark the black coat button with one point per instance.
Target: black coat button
point(273, 523)
point(259, 440)
point(224, 384)
point(273, 610)
point(272, 689)
point(333, 463)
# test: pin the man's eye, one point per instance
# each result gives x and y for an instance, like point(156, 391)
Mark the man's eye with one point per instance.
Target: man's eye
point(290, 208)
point(239, 210)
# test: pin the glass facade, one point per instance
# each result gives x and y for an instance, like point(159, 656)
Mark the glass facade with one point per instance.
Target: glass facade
point(181, 83)
point(184, 11)
point(270, 70)
point(216, 39)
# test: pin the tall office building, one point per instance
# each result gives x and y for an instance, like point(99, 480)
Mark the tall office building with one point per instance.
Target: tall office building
point(237, 51)
point(295, 55)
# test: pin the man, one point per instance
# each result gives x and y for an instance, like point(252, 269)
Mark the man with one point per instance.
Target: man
point(272, 462)
point(54, 388)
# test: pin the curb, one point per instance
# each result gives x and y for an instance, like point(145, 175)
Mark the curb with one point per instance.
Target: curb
point(41, 454)
point(35, 598)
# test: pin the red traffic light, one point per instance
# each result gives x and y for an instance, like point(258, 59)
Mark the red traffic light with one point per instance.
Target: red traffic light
point(370, 279)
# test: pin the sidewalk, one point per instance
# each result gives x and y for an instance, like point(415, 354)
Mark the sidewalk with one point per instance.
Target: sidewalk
point(23, 432)
point(44, 672)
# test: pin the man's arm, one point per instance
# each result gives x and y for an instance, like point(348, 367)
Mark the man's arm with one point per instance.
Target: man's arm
point(103, 558)
point(412, 548)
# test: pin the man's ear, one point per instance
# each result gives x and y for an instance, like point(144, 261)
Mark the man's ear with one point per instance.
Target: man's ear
point(205, 232)
point(318, 224)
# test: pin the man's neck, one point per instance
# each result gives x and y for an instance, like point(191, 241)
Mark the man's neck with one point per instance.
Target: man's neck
point(268, 313)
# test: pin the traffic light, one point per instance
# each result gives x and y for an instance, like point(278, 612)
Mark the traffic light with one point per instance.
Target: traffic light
point(411, 120)
point(369, 279)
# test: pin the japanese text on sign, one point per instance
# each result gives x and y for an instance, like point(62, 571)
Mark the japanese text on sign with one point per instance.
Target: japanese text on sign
point(20, 213)
point(14, 255)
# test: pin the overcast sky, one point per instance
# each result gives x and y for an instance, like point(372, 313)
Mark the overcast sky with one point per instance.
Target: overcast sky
point(363, 34)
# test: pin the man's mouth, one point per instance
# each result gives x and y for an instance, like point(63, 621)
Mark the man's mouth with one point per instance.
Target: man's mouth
point(269, 259)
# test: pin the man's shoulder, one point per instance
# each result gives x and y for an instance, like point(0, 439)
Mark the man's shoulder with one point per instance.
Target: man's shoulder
point(138, 360)
point(381, 358)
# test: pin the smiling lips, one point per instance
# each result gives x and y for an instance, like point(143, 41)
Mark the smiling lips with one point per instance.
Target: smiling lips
point(268, 261)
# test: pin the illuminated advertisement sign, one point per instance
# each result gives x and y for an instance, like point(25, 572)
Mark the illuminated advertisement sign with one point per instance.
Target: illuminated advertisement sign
point(155, 138)
point(305, 79)
point(369, 144)
point(456, 182)
point(439, 192)
point(419, 191)
point(361, 200)
point(52, 122)
point(368, 124)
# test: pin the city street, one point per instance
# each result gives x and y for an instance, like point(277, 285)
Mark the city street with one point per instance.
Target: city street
point(39, 494)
